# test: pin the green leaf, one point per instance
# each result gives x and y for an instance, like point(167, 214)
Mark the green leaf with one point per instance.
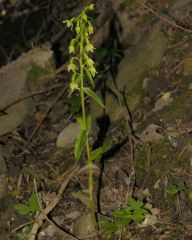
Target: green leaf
point(90, 93)
point(75, 104)
point(109, 226)
point(138, 216)
point(181, 186)
point(33, 203)
point(123, 222)
point(99, 151)
point(136, 204)
point(121, 214)
point(79, 144)
point(172, 190)
point(175, 189)
point(101, 53)
point(23, 209)
point(81, 123)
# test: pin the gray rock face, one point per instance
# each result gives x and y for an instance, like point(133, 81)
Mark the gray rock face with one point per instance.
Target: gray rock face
point(13, 85)
point(84, 227)
point(131, 72)
point(67, 137)
point(145, 56)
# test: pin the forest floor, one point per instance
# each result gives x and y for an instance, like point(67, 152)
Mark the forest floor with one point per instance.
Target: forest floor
point(150, 158)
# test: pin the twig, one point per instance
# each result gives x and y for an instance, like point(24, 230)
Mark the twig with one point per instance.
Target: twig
point(21, 226)
point(64, 233)
point(47, 112)
point(164, 18)
point(179, 205)
point(28, 95)
point(39, 222)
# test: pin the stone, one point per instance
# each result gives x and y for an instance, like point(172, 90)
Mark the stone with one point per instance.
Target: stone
point(150, 134)
point(67, 137)
point(150, 220)
point(84, 227)
point(138, 61)
point(132, 70)
point(16, 80)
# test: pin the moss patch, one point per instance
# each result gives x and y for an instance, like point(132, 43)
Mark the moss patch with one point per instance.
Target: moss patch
point(35, 73)
point(151, 167)
point(181, 106)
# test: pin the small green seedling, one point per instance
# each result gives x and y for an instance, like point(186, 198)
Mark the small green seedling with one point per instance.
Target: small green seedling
point(83, 71)
point(133, 212)
point(24, 234)
point(176, 189)
point(31, 206)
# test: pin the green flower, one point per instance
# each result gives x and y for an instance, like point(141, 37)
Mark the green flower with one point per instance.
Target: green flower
point(77, 29)
point(92, 71)
point(73, 86)
point(71, 49)
point(89, 47)
point(89, 62)
point(69, 23)
point(84, 16)
point(90, 29)
point(90, 7)
point(71, 67)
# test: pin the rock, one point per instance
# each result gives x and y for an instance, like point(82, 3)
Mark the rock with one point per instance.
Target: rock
point(16, 79)
point(150, 134)
point(137, 62)
point(132, 71)
point(83, 196)
point(67, 137)
point(84, 227)
point(150, 220)
point(129, 17)
point(114, 110)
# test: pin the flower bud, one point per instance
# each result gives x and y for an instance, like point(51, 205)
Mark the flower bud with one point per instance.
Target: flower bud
point(71, 49)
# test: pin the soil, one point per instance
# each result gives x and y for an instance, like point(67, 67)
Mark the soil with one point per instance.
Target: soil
point(157, 164)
